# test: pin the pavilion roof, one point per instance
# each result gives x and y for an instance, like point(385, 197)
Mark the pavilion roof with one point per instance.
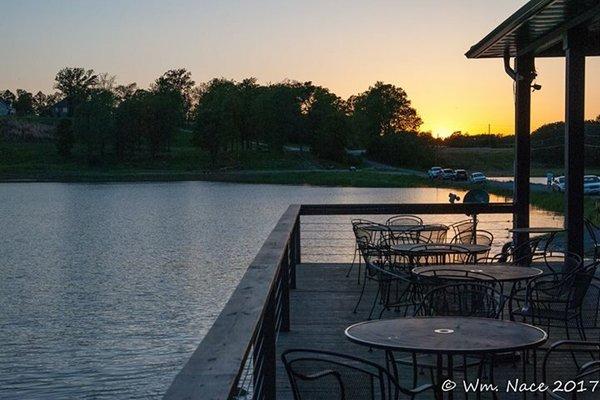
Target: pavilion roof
point(539, 27)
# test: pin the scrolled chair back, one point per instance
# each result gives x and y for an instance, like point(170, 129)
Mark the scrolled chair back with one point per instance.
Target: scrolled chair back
point(523, 254)
point(437, 253)
point(562, 291)
point(464, 299)
point(582, 279)
point(459, 227)
point(318, 374)
point(404, 220)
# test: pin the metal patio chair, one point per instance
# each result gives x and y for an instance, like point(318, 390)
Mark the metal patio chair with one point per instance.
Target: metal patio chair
point(594, 232)
point(583, 365)
point(373, 255)
point(318, 375)
point(459, 227)
point(434, 235)
point(363, 237)
point(523, 254)
point(478, 236)
point(404, 220)
point(464, 299)
point(398, 289)
point(561, 299)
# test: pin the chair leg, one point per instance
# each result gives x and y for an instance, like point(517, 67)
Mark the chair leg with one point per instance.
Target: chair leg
point(362, 291)
point(581, 328)
point(465, 375)
point(353, 261)
point(374, 302)
point(493, 382)
point(534, 351)
point(415, 370)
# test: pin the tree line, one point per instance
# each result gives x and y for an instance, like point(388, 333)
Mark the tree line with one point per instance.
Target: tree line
point(226, 117)
point(548, 143)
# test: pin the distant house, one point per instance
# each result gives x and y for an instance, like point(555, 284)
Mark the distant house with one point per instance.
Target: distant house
point(5, 108)
point(61, 108)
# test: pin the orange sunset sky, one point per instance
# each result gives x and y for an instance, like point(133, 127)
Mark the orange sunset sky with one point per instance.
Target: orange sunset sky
point(343, 45)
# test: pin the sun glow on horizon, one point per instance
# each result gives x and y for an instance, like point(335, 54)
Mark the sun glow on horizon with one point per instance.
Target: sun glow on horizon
point(441, 131)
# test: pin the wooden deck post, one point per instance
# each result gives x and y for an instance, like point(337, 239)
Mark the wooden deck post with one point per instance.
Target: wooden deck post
point(285, 289)
point(574, 138)
point(295, 243)
point(524, 73)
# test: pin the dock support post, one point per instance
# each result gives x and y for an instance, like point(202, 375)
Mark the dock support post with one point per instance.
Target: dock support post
point(524, 69)
point(574, 138)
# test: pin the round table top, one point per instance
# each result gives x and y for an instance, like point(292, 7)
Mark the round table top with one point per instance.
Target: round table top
point(447, 335)
point(499, 271)
point(407, 228)
point(440, 248)
point(537, 229)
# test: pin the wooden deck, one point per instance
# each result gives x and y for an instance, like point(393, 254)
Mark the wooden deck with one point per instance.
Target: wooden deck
point(321, 308)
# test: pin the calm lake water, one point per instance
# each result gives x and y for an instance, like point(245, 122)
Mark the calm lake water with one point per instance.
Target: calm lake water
point(106, 289)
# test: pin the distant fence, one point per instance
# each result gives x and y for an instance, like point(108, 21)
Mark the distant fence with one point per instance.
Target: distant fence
point(237, 357)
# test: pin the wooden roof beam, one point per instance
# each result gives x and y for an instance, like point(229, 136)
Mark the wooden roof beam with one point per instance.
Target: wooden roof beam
point(556, 36)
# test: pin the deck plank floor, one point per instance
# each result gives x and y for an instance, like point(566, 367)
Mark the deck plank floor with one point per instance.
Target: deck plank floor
point(321, 308)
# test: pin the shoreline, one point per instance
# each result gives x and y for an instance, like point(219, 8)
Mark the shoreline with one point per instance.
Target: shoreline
point(367, 178)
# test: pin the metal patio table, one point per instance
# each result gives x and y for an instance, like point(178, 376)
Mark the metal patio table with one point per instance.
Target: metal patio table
point(441, 250)
point(406, 228)
point(447, 337)
point(499, 271)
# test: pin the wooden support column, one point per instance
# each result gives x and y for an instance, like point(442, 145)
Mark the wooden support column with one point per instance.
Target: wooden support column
point(574, 138)
point(524, 75)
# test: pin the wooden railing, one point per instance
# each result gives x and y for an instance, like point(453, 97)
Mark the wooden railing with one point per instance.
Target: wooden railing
point(242, 340)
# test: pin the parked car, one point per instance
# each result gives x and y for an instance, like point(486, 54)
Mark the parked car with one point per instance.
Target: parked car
point(477, 177)
point(558, 184)
point(591, 184)
point(448, 173)
point(461, 175)
point(434, 172)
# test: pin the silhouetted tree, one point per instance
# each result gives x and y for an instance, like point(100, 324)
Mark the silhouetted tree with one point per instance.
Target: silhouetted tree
point(64, 138)
point(459, 139)
point(404, 149)
point(131, 123)
point(164, 117)
point(179, 81)
point(40, 103)
point(94, 123)
point(248, 131)
point(327, 125)
point(548, 147)
point(106, 81)
point(8, 97)
point(75, 84)
point(123, 92)
point(382, 110)
point(217, 125)
point(24, 104)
